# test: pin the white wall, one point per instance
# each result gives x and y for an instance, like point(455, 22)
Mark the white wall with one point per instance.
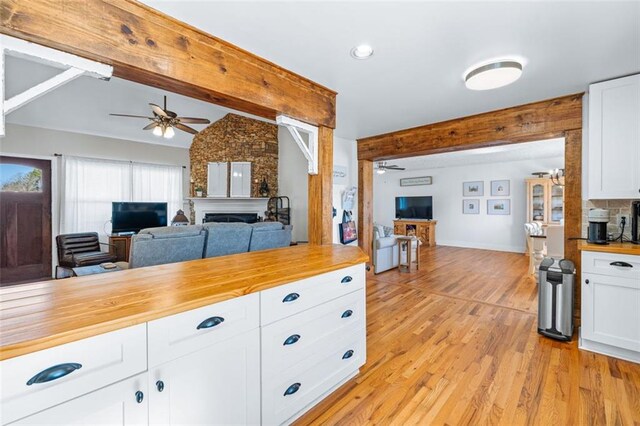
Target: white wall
point(504, 233)
point(344, 154)
point(293, 182)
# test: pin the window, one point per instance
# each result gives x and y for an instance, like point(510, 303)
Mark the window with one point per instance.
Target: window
point(20, 178)
point(91, 185)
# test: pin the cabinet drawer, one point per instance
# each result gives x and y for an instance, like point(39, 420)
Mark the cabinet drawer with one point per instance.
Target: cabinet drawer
point(287, 396)
point(181, 334)
point(313, 332)
point(284, 301)
point(614, 265)
point(117, 404)
point(70, 370)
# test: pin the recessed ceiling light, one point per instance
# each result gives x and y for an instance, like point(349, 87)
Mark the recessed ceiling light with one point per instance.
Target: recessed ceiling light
point(362, 51)
point(493, 75)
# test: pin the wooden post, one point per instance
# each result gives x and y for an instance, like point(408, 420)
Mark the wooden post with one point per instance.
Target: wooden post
point(365, 206)
point(573, 203)
point(321, 191)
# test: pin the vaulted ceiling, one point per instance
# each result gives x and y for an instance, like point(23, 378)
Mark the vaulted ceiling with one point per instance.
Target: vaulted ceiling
point(421, 50)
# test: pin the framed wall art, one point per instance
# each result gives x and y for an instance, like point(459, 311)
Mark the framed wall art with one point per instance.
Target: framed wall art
point(471, 206)
point(500, 188)
point(473, 189)
point(499, 207)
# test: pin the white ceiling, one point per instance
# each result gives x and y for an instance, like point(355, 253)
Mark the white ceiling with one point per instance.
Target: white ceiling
point(84, 105)
point(552, 148)
point(423, 48)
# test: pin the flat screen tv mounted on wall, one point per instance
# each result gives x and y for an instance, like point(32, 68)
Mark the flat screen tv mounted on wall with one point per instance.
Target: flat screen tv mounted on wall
point(414, 208)
point(131, 217)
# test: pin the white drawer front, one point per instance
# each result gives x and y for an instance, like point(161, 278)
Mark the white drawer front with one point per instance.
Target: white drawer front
point(284, 397)
point(181, 334)
point(103, 360)
point(283, 301)
point(313, 332)
point(615, 265)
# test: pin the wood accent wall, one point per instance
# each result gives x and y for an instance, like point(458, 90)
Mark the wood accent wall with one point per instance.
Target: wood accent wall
point(321, 191)
point(149, 47)
point(535, 121)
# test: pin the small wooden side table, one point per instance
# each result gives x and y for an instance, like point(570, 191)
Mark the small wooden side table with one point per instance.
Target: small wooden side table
point(407, 243)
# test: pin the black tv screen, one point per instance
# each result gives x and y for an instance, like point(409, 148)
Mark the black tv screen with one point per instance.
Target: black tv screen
point(414, 208)
point(133, 216)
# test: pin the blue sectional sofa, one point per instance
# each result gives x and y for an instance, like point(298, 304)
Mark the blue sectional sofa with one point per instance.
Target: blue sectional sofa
point(157, 246)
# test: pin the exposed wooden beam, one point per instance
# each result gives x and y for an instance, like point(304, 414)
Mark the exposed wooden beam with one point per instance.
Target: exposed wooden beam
point(321, 191)
point(535, 121)
point(151, 48)
point(365, 206)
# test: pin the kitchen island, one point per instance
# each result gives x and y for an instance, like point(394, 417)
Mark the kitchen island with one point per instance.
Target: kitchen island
point(250, 338)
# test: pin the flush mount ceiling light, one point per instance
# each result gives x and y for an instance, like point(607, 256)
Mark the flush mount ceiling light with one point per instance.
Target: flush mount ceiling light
point(362, 51)
point(493, 75)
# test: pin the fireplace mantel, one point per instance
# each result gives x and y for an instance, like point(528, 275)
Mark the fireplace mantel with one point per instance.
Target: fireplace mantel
point(203, 205)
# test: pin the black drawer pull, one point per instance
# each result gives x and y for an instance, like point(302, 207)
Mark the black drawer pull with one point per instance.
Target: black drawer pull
point(291, 339)
point(290, 297)
point(292, 389)
point(139, 397)
point(55, 372)
point(347, 279)
point(621, 264)
point(160, 385)
point(348, 354)
point(347, 313)
point(210, 322)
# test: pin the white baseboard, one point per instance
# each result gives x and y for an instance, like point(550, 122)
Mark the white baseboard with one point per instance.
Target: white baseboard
point(604, 349)
point(483, 246)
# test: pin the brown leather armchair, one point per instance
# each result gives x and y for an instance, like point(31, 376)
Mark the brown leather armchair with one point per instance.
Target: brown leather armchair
point(81, 249)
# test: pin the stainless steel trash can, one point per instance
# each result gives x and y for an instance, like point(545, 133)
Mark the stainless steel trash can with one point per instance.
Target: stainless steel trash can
point(555, 299)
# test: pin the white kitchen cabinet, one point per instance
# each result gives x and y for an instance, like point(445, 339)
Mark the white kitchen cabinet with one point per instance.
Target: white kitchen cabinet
point(611, 305)
point(241, 179)
point(123, 403)
point(614, 139)
point(219, 385)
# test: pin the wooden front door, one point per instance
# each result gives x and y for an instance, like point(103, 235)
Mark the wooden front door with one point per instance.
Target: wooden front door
point(25, 219)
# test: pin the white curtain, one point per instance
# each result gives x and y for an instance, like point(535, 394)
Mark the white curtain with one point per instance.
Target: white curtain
point(152, 182)
point(91, 185)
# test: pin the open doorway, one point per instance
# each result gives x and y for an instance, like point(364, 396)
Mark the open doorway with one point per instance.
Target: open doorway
point(478, 198)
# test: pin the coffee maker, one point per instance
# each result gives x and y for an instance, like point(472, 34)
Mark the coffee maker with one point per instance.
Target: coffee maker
point(635, 222)
point(598, 220)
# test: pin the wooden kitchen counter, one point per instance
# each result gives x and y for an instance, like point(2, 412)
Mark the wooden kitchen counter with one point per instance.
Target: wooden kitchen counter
point(618, 248)
point(41, 315)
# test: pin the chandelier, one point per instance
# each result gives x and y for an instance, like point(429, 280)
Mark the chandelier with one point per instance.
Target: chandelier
point(556, 175)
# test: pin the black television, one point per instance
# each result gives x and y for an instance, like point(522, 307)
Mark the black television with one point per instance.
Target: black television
point(414, 208)
point(131, 217)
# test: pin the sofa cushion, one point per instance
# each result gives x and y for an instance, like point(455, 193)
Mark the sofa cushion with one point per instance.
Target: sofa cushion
point(227, 238)
point(157, 246)
point(268, 235)
point(385, 242)
point(173, 231)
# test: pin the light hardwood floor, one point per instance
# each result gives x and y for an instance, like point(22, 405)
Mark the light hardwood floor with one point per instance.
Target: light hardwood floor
point(456, 344)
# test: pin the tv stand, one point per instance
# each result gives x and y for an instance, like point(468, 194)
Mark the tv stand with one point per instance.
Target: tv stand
point(120, 245)
point(424, 229)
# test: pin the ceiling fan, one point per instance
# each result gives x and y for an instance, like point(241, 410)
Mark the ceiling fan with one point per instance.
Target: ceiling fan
point(164, 121)
point(383, 167)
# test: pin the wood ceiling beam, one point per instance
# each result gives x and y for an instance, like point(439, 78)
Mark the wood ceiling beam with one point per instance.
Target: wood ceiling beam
point(151, 48)
point(535, 121)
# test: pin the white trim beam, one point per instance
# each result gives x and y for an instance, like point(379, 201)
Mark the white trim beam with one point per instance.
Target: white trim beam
point(41, 89)
point(310, 149)
point(34, 52)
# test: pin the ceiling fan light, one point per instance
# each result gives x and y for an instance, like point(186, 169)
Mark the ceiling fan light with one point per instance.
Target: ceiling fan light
point(169, 132)
point(380, 171)
point(493, 75)
point(157, 131)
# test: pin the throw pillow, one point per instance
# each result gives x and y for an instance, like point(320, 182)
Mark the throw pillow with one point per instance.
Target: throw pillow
point(388, 231)
point(379, 229)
